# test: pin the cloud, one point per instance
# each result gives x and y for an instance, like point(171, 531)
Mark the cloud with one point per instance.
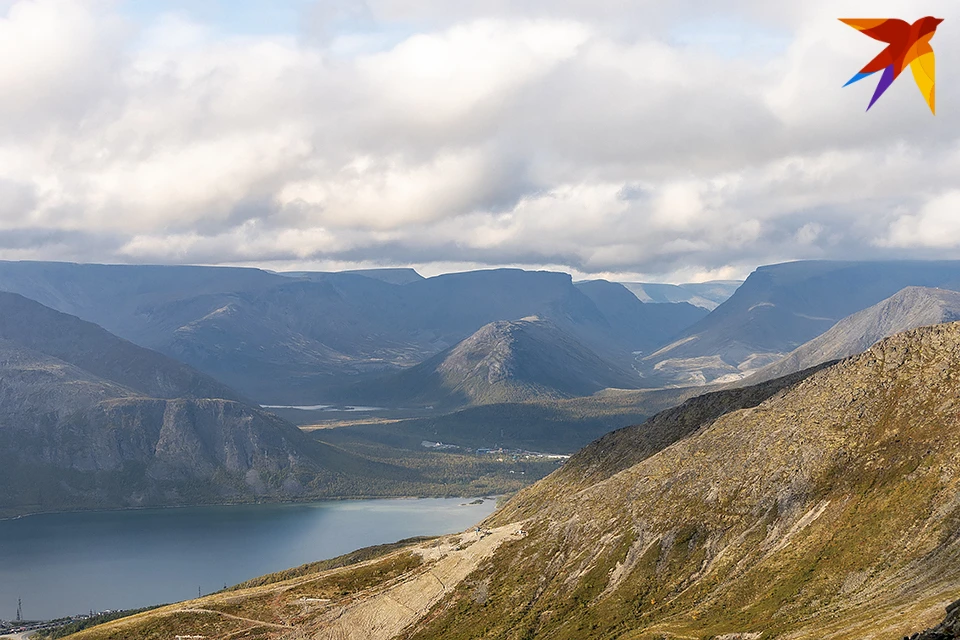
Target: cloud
point(602, 137)
point(936, 225)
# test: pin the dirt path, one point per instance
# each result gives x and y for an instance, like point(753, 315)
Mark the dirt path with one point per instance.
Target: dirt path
point(384, 614)
point(251, 621)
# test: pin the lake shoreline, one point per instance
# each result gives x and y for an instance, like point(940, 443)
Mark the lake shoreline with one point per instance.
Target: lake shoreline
point(68, 563)
point(485, 496)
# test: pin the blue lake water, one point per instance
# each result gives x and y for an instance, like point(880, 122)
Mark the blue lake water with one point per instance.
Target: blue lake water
point(64, 564)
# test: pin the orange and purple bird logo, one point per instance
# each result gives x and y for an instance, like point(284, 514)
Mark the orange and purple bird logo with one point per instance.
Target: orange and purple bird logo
point(907, 44)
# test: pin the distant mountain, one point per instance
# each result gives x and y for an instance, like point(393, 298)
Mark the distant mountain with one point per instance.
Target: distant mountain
point(707, 295)
point(302, 339)
point(823, 506)
point(88, 420)
point(909, 308)
point(504, 361)
point(778, 308)
point(639, 326)
point(90, 348)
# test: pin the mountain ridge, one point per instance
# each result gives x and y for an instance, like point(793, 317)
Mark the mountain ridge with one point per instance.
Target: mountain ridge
point(909, 308)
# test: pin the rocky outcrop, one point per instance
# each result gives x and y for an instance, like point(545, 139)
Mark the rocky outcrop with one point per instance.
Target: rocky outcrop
point(949, 629)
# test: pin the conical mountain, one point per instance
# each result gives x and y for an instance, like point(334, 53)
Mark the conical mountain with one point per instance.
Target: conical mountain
point(505, 361)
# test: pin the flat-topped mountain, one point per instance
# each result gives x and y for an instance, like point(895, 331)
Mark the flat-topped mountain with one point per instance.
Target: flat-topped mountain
point(907, 309)
point(505, 361)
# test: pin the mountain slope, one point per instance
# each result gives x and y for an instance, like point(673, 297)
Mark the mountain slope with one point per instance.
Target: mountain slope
point(639, 326)
point(101, 353)
point(907, 309)
point(829, 510)
point(502, 362)
point(778, 308)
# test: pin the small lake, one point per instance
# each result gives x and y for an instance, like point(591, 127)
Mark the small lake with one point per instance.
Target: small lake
point(70, 563)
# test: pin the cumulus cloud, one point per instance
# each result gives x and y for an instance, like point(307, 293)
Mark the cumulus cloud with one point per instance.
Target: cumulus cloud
point(604, 137)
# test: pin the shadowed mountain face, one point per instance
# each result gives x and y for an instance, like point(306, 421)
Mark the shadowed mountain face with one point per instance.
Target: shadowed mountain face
point(909, 308)
point(640, 327)
point(96, 351)
point(90, 420)
point(502, 362)
point(301, 338)
point(780, 307)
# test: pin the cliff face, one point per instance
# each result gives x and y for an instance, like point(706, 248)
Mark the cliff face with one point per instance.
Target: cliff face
point(88, 420)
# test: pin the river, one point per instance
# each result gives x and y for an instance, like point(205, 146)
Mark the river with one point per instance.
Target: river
point(70, 563)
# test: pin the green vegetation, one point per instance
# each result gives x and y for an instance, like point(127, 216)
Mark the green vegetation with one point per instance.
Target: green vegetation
point(80, 625)
point(347, 559)
point(553, 426)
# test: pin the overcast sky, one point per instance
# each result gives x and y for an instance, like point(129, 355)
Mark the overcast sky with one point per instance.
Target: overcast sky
point(634, 139)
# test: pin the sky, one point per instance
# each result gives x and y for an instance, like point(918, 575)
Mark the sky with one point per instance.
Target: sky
point(648, 140)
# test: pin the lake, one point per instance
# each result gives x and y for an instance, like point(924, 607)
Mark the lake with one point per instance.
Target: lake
point(69, 563)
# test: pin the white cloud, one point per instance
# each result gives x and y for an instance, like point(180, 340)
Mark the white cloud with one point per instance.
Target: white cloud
point(936, 224)
point(603, 136)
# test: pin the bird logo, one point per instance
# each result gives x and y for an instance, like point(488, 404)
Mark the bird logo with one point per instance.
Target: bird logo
point(907, 44)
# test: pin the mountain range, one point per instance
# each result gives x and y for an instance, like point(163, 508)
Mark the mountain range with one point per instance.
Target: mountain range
point(91, 421)
point(303, 338)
